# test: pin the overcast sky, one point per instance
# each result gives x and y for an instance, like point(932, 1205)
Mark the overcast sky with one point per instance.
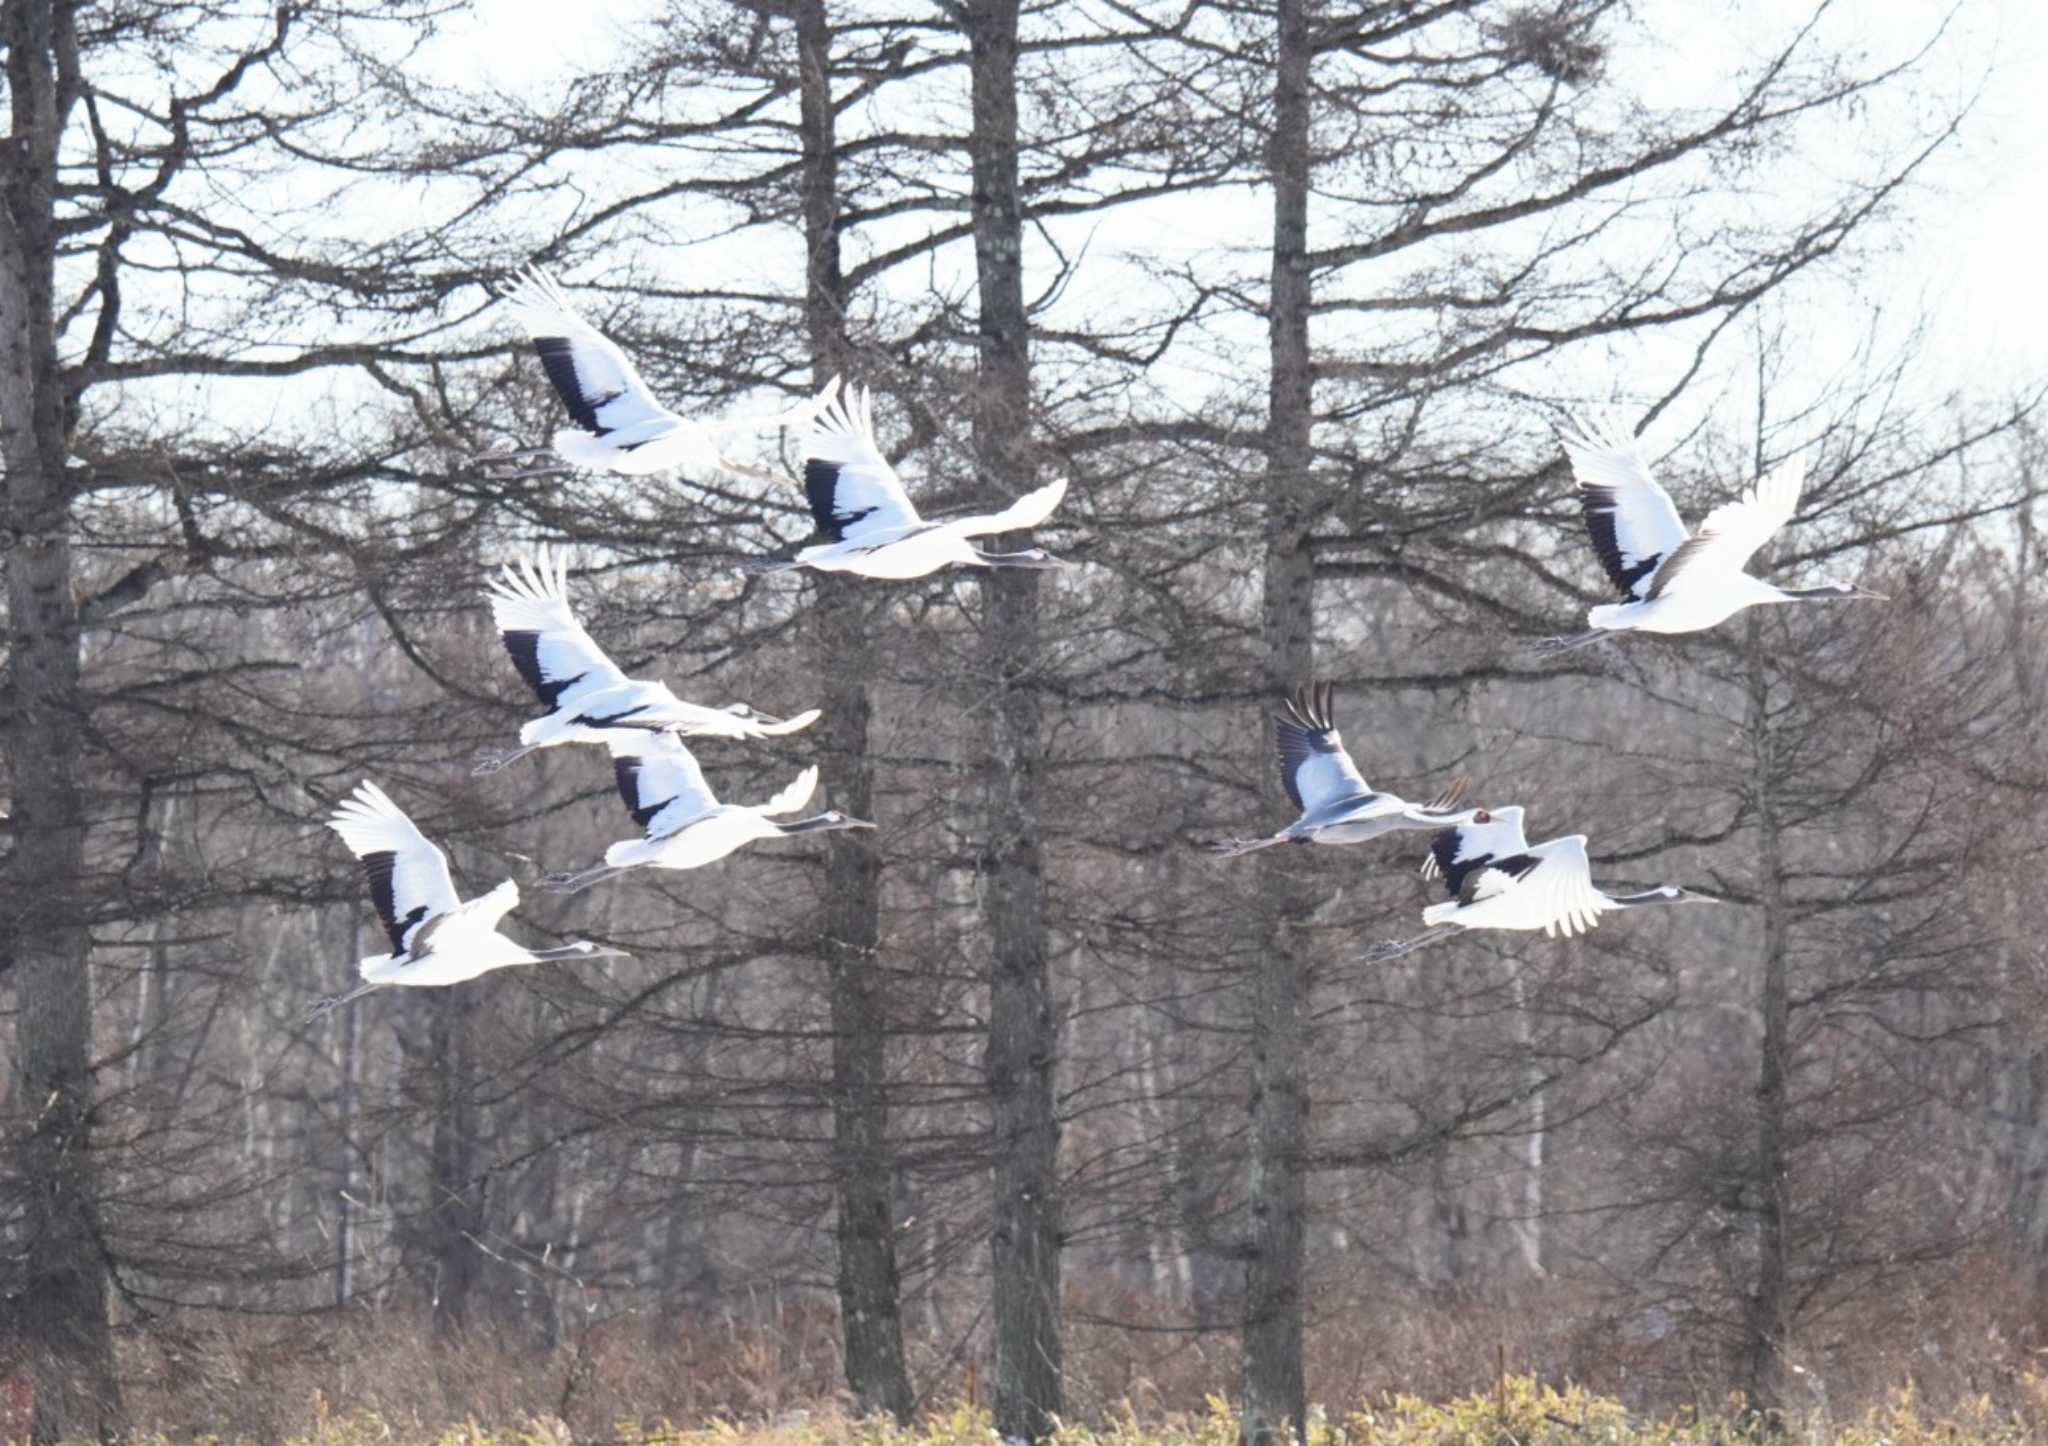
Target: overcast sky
point(1973, 257)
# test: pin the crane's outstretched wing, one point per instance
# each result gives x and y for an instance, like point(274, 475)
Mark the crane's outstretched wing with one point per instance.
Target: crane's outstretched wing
point(1314, 768)
point(853, 490)
point(1734, 531)
point(1027, 511)
point(530, 604)
point(659, 780)
point(794, 797)
point(1629, 517)
point(407, 874)
point(1564, 880)
point(1456, 853)
point(592, 376)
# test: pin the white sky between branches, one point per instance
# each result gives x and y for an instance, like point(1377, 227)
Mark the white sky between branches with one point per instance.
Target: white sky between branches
point(1971, 256)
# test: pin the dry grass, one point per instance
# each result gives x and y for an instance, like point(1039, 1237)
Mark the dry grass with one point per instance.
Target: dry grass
point(1962, 1360)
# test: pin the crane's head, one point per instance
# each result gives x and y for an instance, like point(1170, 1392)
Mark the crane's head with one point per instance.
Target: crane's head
point(1673, 894)
point(1507, 813)
point(596, 951)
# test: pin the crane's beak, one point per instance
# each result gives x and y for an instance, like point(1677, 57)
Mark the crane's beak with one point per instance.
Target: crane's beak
point(1866, 594)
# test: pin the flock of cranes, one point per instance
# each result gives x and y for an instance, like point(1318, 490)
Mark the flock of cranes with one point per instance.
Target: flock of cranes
point(1669, 581)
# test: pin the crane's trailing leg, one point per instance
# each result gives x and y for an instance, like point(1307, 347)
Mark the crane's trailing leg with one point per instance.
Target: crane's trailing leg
point(1571, 642)
point(566, 883)
point(1230, 848)
point(490, 760)
point(324, 1005)
point(1395, 948)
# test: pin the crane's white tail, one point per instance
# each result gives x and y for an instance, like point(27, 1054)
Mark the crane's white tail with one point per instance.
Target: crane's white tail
point(584, 449)
point(1395, 948)
point(1607, 616)
point(1440, 913)
point(763, 725)
point(1230, 848)
point(630, 853)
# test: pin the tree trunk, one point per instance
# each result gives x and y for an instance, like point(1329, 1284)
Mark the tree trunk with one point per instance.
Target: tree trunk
point(1275, 1396)
point(1022, 1019)
point(64, 1289)
point(455, 1208)
point(351, 1085)
point(863, 1173)
point(1764, 1318)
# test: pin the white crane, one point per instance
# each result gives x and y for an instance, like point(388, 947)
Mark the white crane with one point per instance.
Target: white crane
point(1498, 880)
point(865, 521)
point(1669, 582)
point(686, 826)
point(1337, 805)
point(436, 938)
point(585, 693)
point(620, 426)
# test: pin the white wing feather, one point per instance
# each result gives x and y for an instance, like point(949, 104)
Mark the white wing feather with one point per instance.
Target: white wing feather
point(1500, 836)
point(667, 779)
point(1646, 523)
point(794, 797)
point(599, 383)
point(843, 434)
point(1732, 532)
point(1563, 883)
point(533, 597)
point(1027, 511)
point(371, 824)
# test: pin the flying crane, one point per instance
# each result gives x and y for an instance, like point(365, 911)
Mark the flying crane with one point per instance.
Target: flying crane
point(1671, 582)
point(1498, 880)
point(1337, 805)
point(436, 937)
point(585, 693)
point(686, 826)
point(620, 425)
point(865, 521)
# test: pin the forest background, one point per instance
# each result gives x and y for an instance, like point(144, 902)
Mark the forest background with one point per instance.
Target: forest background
point(1023, 1094)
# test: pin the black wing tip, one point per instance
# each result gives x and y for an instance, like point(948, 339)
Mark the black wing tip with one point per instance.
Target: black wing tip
point(522, 645)
point(821, 487)
point(377, 869)
point(1310, 709)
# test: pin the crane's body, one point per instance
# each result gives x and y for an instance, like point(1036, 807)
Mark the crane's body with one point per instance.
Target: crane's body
point(865, 521)
point(1337, 805)
point(586, 694)
point(1496, 879)
point(436, 937)
point(686, 827)
point(620, 425)
point(1671, 581)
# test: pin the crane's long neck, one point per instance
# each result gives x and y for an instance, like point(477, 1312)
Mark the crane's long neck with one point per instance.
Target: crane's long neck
point(1665, 895)
point(567, 951)
point(819, 823)
point(1030, 557)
